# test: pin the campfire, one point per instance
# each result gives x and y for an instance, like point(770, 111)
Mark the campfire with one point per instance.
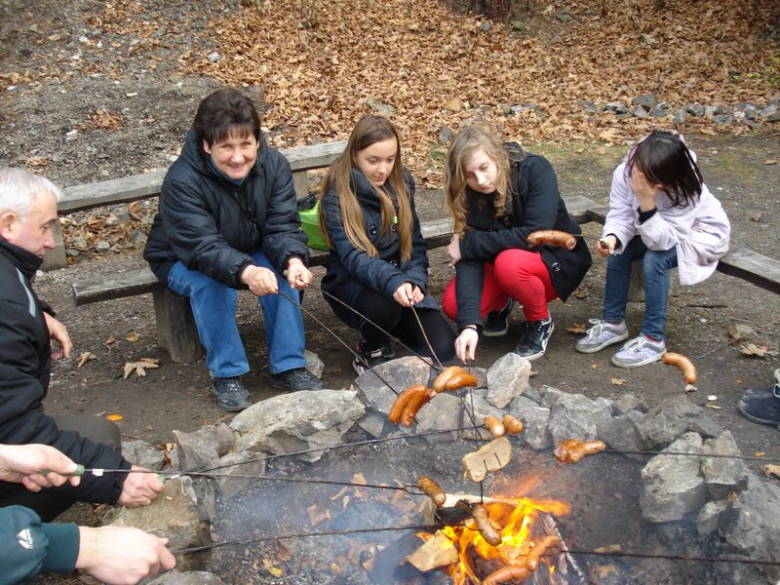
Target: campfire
point(492, 540)
point(526, 536)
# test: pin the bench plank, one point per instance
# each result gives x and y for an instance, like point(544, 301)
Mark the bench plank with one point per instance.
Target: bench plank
point(176, 332)
point(135, 187)
point(753, 267)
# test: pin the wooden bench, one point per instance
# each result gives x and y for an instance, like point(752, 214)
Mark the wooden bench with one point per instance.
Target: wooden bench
point(176, 332)
point(136, 187)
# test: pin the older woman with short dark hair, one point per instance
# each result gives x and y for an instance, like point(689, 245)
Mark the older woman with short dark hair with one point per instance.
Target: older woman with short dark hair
point(228, 220)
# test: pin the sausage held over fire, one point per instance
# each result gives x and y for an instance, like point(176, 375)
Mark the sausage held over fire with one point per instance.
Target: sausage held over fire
point(433, 490)
point(506, 574)
point(414, 405)
point(402, 400)
point(485, 527)
point(552, 238)
point(573, 450)
point(440, 383)
point(494, 426)
point(512, 425)
point(538, 550)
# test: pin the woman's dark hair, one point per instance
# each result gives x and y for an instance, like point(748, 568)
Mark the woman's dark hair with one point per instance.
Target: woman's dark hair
point(224, 113)
point(665, 160)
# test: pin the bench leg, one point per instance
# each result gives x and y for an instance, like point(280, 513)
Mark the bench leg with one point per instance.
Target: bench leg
point(636, 287)
point(54, 259)
point(176, 330)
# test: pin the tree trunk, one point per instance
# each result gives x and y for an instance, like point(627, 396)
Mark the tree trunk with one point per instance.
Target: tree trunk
point(497, 10)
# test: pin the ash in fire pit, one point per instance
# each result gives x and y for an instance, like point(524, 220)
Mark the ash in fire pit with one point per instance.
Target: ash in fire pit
point(353, 512)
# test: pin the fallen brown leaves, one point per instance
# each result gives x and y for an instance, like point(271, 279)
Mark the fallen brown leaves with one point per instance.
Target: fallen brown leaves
point(436, 67)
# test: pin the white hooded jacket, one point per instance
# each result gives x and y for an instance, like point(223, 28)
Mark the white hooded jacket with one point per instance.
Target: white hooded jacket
point(700, 230)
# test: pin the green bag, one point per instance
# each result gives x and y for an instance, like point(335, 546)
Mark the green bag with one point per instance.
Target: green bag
point(308, 210)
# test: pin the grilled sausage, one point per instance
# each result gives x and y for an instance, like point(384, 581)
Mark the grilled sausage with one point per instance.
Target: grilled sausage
point(433, 490)
point(506, 574)
point(538, 550)
point(485, 527)
point(402, 400)
point(494, 426)
point(552, 238)
point(461, 380)
point(512, 425)
point(440, 383)
point(414, 405)
point(562, 451)
point(680, 361)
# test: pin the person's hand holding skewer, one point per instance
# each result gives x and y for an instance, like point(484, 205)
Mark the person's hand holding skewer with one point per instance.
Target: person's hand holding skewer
point(606, 245)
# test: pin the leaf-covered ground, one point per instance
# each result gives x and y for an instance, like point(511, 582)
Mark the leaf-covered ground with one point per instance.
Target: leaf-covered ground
point(437, 67)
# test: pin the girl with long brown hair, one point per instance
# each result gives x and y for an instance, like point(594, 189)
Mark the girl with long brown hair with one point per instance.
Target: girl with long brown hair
point(378, 264)
point(498, 195)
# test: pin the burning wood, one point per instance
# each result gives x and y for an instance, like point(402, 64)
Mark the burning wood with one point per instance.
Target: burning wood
point(498, 538)
point(438, 551)
point(493, 456)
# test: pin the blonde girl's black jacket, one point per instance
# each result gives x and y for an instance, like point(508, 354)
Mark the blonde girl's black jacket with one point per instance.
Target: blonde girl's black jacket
point(351, 270)
point(534, 204)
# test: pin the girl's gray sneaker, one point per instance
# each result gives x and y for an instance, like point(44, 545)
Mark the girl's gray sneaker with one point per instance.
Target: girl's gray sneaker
point(639, 351)
point(601, 335)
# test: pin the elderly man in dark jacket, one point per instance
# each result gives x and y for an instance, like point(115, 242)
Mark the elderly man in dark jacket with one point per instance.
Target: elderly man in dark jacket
point(228, 220)
point(28, 211)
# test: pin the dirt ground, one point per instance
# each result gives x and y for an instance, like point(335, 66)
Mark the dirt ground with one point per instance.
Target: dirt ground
point(51, 121)
point(177, 396)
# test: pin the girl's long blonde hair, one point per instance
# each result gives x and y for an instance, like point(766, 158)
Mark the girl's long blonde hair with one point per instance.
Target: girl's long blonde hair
point(468, 141)
point(369, 130)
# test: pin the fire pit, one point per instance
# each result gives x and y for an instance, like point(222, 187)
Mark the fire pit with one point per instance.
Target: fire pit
point(593, 506)
point(311, 497)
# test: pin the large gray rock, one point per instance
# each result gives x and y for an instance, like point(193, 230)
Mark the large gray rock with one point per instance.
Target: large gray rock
point(535, 420)
point(750, 524)
point(673, 417)
point(444, 412)
point(187, 578)
point(399, 374)
point(723, 475)
point(550, 395)
point(707, 520)
point(175, 514)
point(143, 454)
point(475, 407)
point(374, 423)
point(202, 449)
point(313, 363)
point(233, 465)
point(575, 416)
point(672, 485)
point(627, 402)
point(621, 434)
point(299, 421)
point(507, 378)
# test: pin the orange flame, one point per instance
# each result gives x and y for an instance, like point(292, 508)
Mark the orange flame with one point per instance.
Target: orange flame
point(517, 517)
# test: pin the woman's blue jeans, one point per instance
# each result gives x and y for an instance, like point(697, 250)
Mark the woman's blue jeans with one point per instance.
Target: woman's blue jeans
point(655, 270)
point(214, 308)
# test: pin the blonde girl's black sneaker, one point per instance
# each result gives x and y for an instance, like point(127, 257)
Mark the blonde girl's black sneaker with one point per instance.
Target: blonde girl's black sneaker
point(367, 359)
point(534, 337)
point(497, 322)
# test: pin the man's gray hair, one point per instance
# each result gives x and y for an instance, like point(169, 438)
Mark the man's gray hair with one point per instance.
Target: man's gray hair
point(19, 188)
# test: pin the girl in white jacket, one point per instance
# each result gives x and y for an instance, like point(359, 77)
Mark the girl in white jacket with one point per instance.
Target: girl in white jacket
point(660, 212)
